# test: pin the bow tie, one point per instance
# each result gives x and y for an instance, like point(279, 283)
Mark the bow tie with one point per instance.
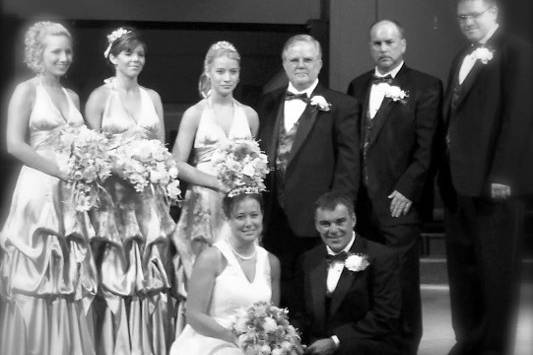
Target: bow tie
point(340, 257)
point(382, 79)
point(292, 96)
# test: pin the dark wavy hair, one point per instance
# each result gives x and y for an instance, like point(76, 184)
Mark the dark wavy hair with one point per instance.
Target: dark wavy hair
point(229, 203)
point(128, 41)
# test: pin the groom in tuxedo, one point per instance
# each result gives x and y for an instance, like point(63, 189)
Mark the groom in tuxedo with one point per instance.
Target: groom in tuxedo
point(399, 117)
point(349, 287)
point(309, 133)
point(485, 170)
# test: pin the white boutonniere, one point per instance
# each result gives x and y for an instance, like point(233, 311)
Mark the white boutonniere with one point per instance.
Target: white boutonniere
point(483, 54)
point(394, 93)
point(320, 102)
point(356, 262)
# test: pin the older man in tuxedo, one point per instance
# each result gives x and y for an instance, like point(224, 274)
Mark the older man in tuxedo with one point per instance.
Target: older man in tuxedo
point(349, 287)
point(399, 116)
point(485, 170)
point(309, 133)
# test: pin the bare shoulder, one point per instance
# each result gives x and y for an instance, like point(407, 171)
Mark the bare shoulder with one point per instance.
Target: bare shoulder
point(194, 112)
point(26, 89)
point(73, 96)
point(210, 260)
point(274, 262)
point(100, 94)
point(153, 94)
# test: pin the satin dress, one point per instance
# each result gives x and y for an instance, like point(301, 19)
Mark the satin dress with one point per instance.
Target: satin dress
point(135, 312)
point(202, 220)
point(47, 276)
point(232, 290)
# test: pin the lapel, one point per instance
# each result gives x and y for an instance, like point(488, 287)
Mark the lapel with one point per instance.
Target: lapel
point(386, 106)
point(318, 279)
point(278, 100)
point(347, 277)
point(453, 82)
point(366, 100)
point(305, 124)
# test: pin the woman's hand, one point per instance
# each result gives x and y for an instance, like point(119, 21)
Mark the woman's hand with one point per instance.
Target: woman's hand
point(220, 187)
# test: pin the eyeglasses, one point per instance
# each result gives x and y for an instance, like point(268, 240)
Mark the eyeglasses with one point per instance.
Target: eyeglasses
point(473, 16)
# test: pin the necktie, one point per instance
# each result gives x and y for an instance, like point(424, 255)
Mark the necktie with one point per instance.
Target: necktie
point(382, 79)
point(292, 96)
point(340, 257)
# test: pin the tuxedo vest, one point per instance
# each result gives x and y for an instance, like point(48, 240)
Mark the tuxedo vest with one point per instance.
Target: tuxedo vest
point(285, 143)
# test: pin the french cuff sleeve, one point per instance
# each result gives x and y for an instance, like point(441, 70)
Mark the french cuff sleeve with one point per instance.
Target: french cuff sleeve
point(336, 341)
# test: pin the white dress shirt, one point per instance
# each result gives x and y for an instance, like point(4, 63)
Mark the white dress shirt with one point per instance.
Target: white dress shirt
point(335, 268)
point(293, 109)
point(377, 91)
point(470, 60)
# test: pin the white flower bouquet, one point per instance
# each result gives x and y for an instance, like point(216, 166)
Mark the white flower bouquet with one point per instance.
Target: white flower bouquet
point(87, 162)
point(144, 163)
point(264, 329)
point(241, 166)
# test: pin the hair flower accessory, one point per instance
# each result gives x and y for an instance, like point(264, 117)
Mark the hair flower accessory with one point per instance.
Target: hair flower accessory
point(320, 102)
point(112, 37)
point(483, 54)
point(394, 93)
point(356, 262)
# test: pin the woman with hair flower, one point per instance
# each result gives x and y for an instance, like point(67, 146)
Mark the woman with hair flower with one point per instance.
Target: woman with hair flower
point(231, 275)
point(47, 276)
point(133, 227)
point(217, 118)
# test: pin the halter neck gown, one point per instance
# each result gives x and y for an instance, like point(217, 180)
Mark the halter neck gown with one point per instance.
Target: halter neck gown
point(47, 275)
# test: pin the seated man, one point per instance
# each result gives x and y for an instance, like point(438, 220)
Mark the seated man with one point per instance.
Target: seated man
point(349, 287)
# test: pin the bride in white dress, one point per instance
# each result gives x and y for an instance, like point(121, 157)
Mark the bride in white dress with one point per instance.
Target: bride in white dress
point(234, 273)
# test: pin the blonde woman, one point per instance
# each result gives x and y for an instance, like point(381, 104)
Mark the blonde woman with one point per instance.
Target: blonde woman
point(47, 277)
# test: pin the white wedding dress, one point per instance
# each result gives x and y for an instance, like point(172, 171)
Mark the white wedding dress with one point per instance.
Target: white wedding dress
point(231, 291)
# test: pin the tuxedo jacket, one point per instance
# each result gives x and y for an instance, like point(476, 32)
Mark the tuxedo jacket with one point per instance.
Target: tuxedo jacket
point(487, 122)
point(365, 304)
point(400, 145)
point(324, 155)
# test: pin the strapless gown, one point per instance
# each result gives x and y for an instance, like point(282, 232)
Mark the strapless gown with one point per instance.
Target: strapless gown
point(47, 276)
point(135, 310)
point(202, 220)
point(232, 290)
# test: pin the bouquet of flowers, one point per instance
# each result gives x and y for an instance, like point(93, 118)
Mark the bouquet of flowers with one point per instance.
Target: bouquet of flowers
point(144, 162)
point(84, 156)
point(241, 166)
point(264, 329)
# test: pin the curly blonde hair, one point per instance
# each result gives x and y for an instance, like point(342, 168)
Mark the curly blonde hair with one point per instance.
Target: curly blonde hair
point(34, 42)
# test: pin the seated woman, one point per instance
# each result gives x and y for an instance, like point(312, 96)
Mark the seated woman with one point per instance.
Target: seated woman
point(234, 273)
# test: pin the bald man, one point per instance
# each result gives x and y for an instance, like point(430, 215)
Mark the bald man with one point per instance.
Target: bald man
point(399, 114)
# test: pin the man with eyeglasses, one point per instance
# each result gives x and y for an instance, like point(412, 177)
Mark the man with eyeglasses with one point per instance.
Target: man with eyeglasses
point(484, 173)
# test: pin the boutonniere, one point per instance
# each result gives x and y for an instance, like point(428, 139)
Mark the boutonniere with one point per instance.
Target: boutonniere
point(394, 93)
point(320, 103)
point(356, 262)
point(483, 54)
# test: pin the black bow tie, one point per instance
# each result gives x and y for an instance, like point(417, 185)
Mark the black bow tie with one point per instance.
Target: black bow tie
point(341, 257)
point(292, 96)
point(382, 79)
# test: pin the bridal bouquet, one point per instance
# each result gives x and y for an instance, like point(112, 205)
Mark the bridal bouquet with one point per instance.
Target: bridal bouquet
point(264, 329)
point(241, 166)
point(144, 162)
point(84, 156)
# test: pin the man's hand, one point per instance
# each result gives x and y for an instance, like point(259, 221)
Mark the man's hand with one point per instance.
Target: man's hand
point(399, 205)
point(324, 346)
point(500, 191)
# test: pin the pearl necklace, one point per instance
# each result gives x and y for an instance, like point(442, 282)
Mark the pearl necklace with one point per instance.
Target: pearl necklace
point(244, 257)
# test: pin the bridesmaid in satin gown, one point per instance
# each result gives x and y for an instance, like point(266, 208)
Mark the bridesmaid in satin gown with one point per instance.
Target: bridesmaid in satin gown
point(47, 276)
point(135, 307)
point(216, 118)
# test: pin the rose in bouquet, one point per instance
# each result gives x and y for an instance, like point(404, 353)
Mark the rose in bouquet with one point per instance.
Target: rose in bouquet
point(264, 329)
point(83, 154)
point(240, 165)
point(147, 162)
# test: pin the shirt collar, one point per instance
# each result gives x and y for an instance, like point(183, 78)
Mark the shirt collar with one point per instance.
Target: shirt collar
point(346, 249)
point(308, 91)
point(392, 73)
point(489, 35)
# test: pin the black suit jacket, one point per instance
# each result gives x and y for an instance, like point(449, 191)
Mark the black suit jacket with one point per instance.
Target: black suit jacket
point(401, 143)
point(486, 129)
point(324, 155)
point(365, 304)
